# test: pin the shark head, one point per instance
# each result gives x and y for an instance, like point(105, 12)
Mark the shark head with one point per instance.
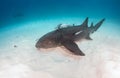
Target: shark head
point(42, 43)
point(48, 41)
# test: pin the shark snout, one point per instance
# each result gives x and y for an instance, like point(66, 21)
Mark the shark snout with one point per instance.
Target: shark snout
point(37, 45)
point(40, 44)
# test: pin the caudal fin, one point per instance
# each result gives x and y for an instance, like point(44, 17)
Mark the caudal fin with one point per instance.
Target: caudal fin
point(98, 24)
point(95, 28)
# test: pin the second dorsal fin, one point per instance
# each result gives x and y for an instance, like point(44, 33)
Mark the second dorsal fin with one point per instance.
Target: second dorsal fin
point(91, 24)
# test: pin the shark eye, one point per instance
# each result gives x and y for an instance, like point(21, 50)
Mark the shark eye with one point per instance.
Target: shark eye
point(78, 32)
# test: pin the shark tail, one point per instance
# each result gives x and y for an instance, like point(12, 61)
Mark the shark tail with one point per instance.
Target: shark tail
point(90, 30)
point(95, 28)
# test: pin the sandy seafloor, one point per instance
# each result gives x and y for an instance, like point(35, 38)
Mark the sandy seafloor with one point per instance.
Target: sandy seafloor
point(102, 58)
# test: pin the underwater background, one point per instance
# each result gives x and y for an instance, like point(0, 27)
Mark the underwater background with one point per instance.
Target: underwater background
point(17, 11)
point(23, 22)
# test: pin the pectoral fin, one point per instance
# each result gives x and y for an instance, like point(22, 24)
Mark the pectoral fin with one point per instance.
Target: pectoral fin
point(72, 47)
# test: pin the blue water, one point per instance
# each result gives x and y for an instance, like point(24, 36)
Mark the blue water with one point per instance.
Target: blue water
point(21, 11)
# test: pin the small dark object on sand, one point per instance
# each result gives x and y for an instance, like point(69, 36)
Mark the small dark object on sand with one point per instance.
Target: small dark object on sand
point(15, 46)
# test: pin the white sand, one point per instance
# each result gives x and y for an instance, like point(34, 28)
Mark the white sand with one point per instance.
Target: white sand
point(102, 58)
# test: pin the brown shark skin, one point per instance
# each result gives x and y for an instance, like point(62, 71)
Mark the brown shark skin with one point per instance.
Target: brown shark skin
point(67, 36)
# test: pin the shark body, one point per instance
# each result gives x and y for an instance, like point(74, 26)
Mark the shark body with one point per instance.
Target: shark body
point(67, 36)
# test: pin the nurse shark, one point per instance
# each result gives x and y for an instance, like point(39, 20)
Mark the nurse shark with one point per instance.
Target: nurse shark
point(68, 36)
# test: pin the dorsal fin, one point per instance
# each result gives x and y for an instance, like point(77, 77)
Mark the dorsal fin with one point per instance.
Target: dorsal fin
point(85, 23)
point(91, 24)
